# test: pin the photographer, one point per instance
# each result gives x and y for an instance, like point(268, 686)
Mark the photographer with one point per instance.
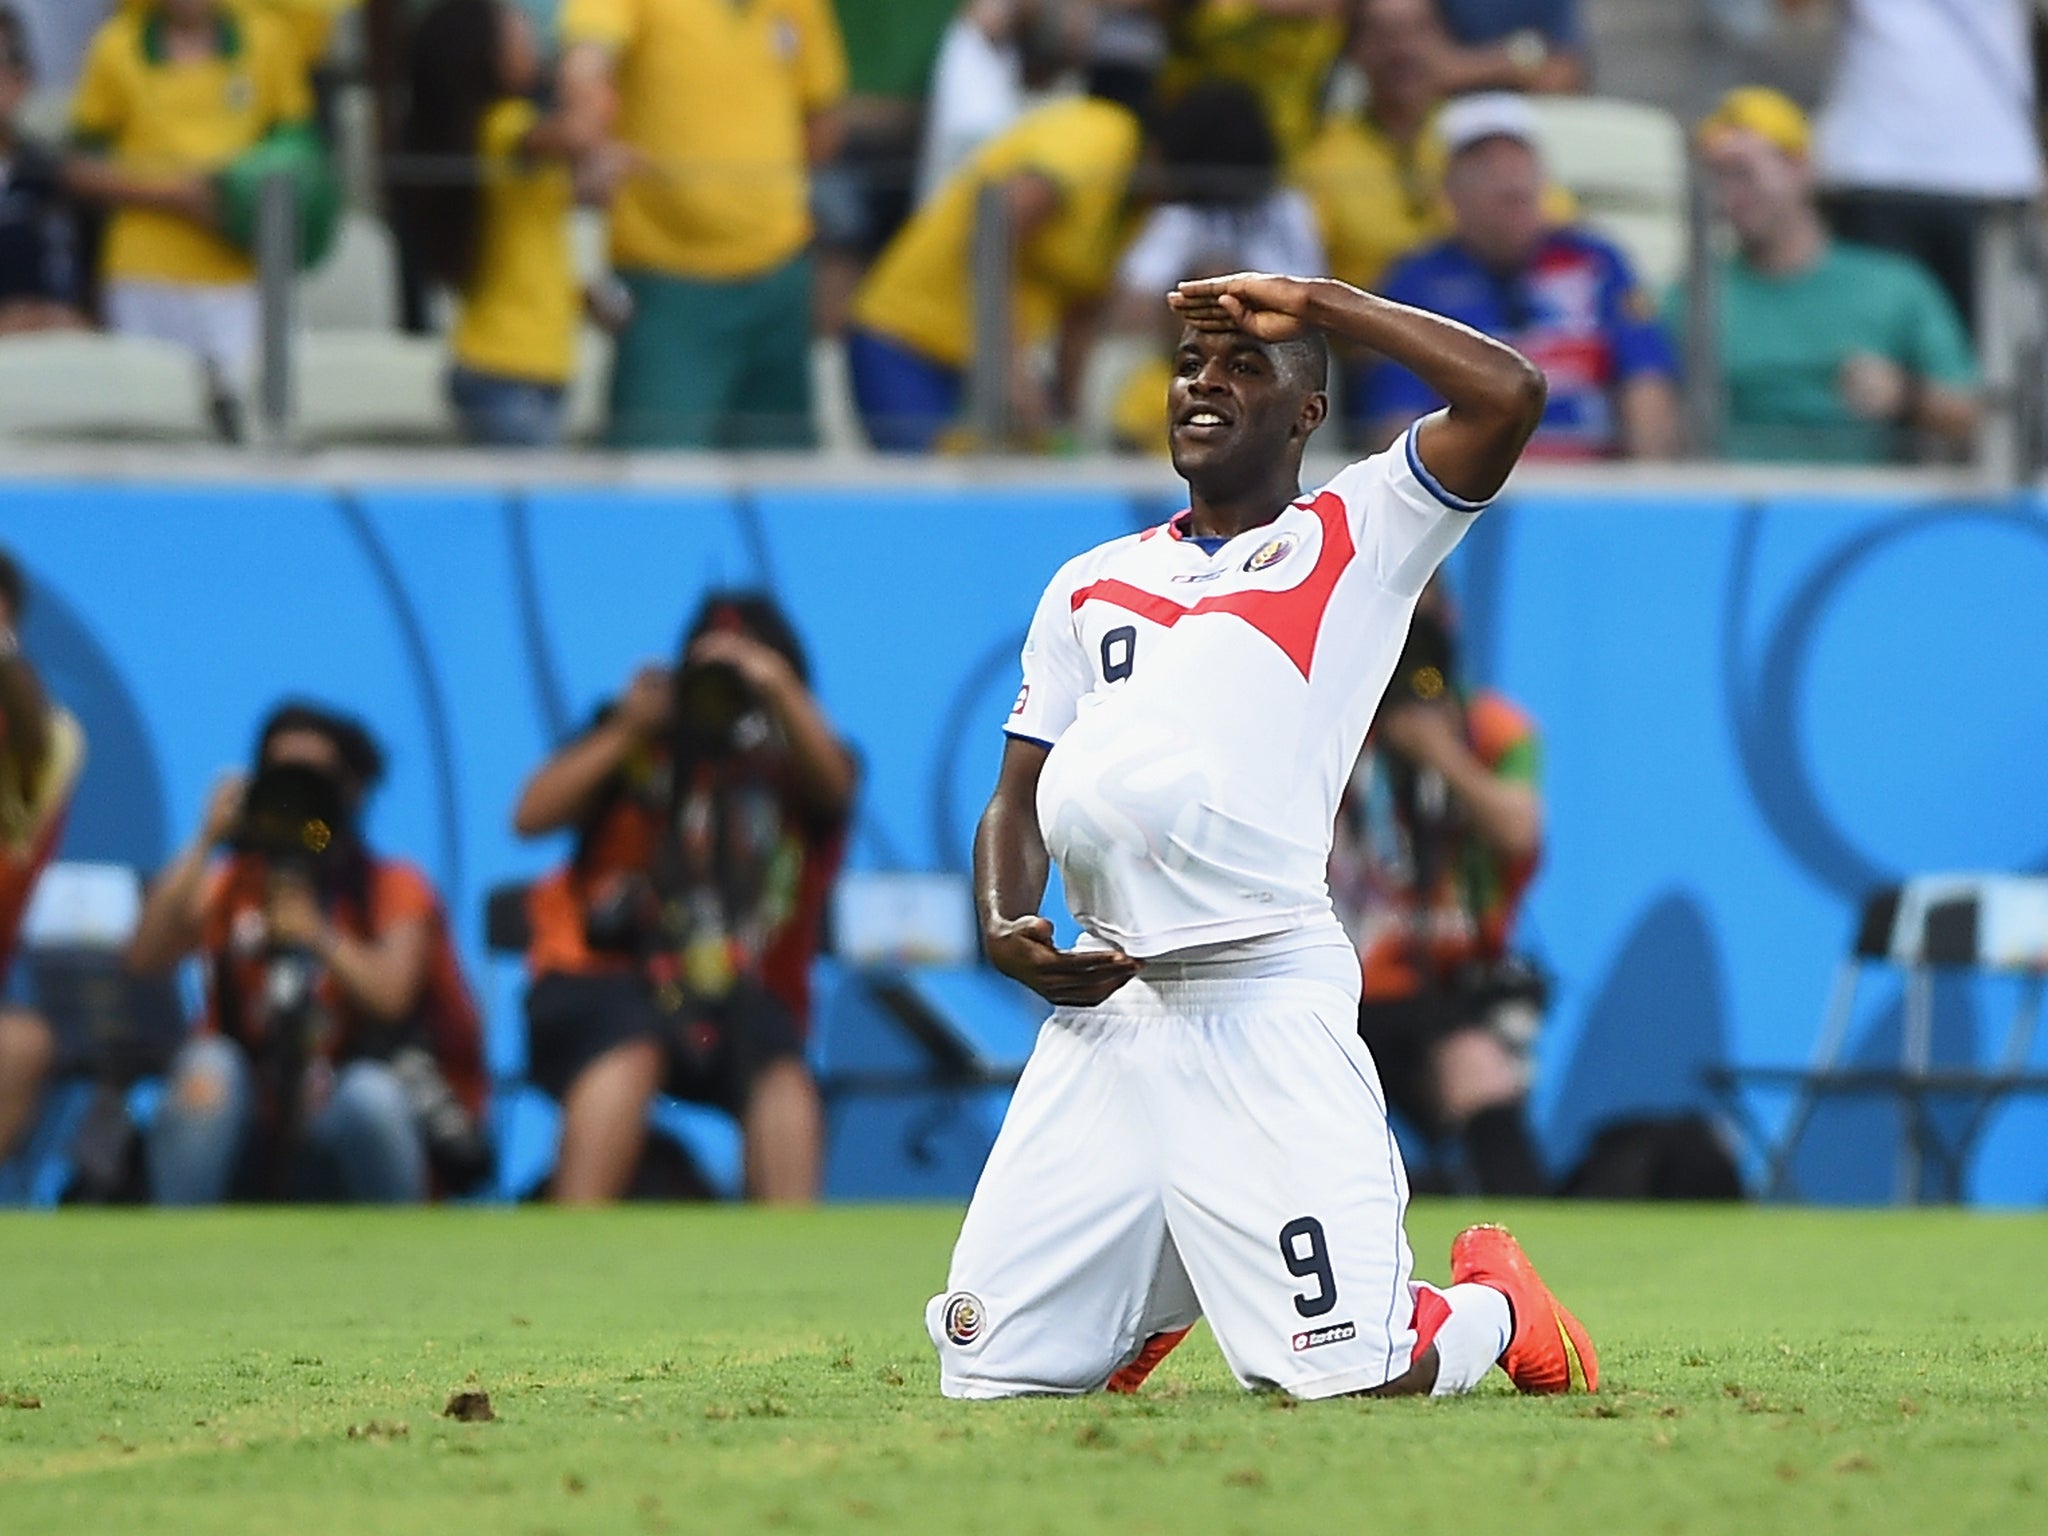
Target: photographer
point(42, 751)
point(673, 953)
point(1437, 839)
point(340, 1057)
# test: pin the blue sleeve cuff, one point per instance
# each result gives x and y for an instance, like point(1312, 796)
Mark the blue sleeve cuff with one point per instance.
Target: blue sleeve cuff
point(1020, 736)
point(1430, 483)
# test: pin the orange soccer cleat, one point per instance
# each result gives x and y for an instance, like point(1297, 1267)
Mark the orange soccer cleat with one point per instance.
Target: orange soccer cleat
point(1157, 1348)
point(1550, 1352)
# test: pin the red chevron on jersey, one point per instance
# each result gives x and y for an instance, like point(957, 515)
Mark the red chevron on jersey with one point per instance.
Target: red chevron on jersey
point(1291, 619)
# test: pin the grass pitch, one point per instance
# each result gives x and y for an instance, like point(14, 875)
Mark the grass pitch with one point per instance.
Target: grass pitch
point(737, 1371)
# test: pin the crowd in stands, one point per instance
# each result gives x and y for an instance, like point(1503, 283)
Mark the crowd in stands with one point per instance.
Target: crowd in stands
point(763, 183)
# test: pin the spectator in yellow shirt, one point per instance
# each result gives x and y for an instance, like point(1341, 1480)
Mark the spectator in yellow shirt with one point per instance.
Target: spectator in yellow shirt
point(1065, 171)
point(494, 229)
point(173, 92)
point(1282, 49)
point(726, 104)
point(309, 23)
point(1377, 178)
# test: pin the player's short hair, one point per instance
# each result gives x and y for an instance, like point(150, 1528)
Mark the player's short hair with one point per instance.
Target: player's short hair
point(1305, 360)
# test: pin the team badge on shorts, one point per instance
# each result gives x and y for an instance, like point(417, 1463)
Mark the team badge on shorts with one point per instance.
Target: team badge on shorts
point(1272, 552)
point(1316, 1338)
point(964, 1318)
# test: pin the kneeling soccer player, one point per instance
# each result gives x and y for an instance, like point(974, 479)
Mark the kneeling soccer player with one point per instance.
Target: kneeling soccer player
point(1200, 1131)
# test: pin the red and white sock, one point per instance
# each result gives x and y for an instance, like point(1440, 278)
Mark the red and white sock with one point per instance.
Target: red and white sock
point(1470, 1326)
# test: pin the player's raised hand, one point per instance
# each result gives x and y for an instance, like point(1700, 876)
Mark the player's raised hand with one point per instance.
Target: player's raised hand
point(1022, 948)
point(1260, 304)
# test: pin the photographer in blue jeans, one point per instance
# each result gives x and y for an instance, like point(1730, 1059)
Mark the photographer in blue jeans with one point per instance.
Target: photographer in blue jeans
point(340, 1056)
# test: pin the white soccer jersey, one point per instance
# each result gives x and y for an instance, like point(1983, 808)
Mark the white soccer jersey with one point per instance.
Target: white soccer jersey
point(1204, 711)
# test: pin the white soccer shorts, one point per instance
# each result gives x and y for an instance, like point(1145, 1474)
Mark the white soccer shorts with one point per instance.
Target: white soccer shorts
point(1187, 1149)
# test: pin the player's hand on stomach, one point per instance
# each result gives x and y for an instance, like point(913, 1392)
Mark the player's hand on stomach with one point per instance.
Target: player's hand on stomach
point(1022, 948)
point(1260, 304)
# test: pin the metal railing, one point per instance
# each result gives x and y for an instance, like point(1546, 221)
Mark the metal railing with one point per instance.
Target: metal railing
point(2012, 333)
point(277, 266)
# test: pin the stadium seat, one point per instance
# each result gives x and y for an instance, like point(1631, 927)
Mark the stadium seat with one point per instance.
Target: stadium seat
point(915, 1068)
point(1625, 163)
point(372, 387)
point(356, 288)
point(1933, 924)
point(98, 386)
point(114, 1031)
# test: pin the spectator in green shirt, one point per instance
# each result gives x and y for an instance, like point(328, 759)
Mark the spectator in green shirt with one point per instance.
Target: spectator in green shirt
point(1829, 351)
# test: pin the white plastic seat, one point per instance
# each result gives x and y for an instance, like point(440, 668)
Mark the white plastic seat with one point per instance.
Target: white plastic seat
point(1625, 162)
point(98, 385)
point(83, 904)
point(372, 387)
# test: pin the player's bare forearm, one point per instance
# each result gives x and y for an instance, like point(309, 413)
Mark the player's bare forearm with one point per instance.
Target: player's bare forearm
point(1010, 861)
point(1010, 869)
point(1495, 394)
point(1010, 864)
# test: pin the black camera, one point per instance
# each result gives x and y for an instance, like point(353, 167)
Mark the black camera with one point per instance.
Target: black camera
point(713, 705)
point(293, 816)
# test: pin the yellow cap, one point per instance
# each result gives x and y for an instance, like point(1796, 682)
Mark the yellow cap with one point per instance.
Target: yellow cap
point(1770, 115)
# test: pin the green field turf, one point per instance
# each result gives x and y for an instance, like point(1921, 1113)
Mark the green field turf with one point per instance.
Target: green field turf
point(735, 1371)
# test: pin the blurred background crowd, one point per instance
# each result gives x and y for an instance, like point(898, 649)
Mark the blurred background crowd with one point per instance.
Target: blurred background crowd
point(1757, 229)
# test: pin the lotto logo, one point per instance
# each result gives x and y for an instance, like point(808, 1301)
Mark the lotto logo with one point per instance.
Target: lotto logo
point(1023, 698)
point(964, 1318)
point(1315, 1338)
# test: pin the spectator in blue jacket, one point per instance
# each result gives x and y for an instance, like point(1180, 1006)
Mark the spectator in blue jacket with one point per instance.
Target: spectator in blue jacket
point(1561, 295)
